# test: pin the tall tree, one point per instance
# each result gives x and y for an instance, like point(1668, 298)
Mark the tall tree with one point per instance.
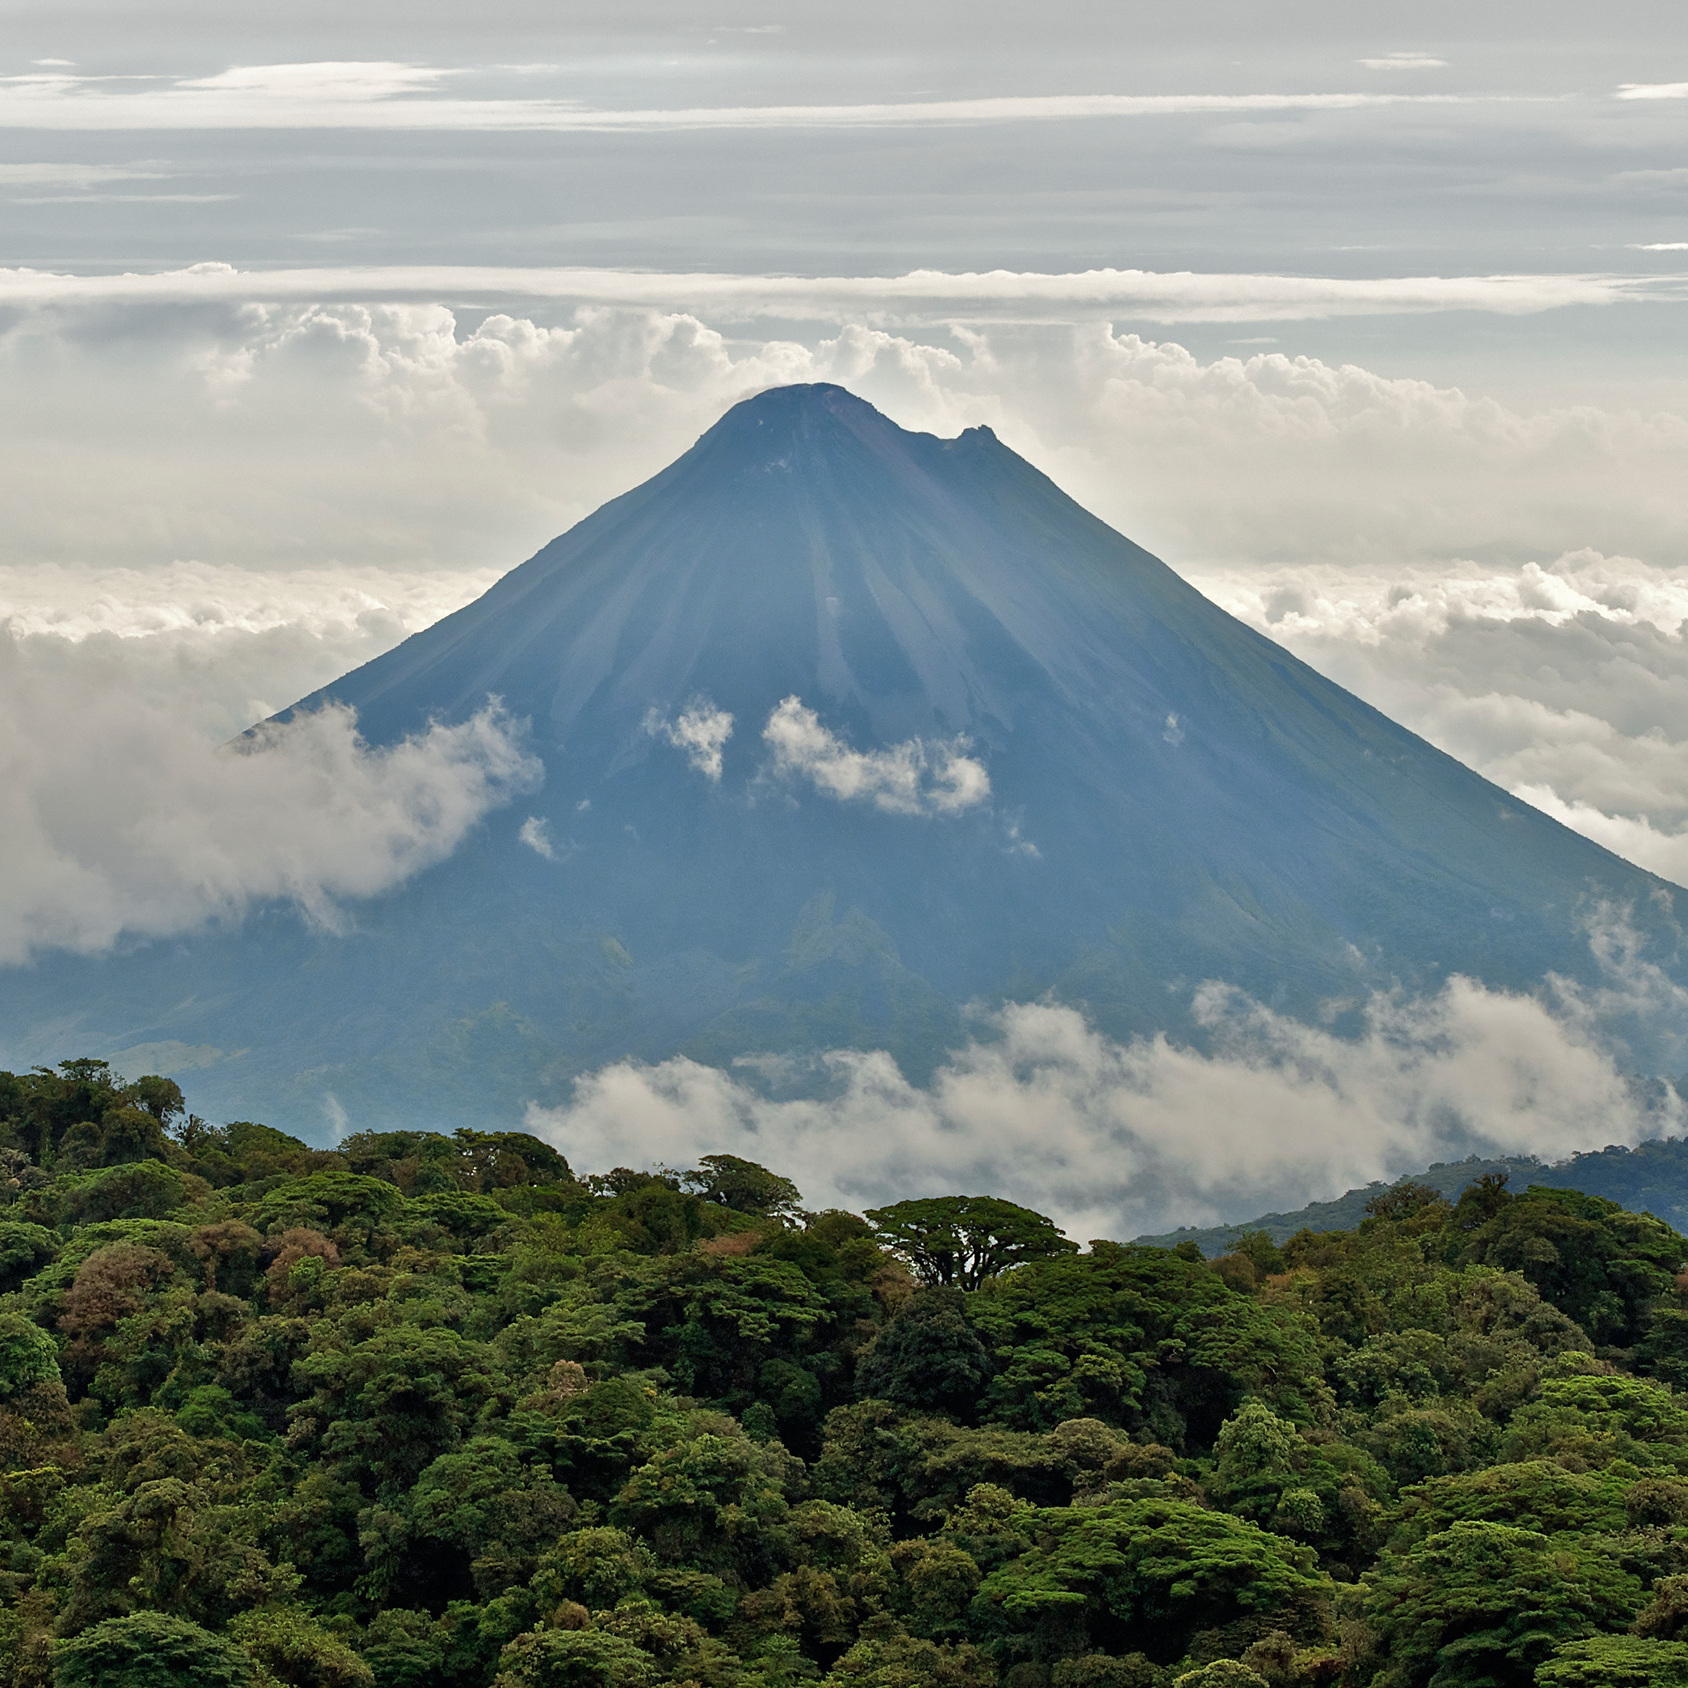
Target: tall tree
point(963, 1240)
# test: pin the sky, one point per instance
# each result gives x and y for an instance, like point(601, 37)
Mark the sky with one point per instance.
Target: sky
point(314, 320)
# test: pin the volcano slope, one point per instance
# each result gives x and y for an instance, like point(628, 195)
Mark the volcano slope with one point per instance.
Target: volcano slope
point(982, 748)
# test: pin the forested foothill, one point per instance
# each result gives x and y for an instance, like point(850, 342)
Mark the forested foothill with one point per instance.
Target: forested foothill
point(431, 1411)
point(1651, 1177)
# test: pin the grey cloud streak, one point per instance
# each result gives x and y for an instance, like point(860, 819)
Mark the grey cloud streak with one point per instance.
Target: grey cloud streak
point(918, 296)
point(385, 94)
point(64, 175)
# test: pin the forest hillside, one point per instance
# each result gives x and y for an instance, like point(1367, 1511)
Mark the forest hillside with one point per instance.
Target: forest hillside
point(431, 1411)
point(1651, 1177)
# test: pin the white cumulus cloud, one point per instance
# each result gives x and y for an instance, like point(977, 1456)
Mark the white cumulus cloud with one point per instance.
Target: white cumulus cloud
point(911, 778)
point(535, 832)
point(700, 730)
point(402, 436)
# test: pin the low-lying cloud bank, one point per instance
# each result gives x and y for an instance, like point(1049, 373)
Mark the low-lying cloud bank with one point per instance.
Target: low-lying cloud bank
point(121, 818)
point(216, 646)
point(1115, 1139)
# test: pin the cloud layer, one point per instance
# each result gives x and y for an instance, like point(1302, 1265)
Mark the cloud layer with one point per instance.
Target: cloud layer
point(213, 647)
point(1115, 1139)
point(911, 778)
point(356, 436)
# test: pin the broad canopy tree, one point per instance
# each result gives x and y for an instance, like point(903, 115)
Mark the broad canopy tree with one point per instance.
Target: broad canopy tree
point(963, 1240)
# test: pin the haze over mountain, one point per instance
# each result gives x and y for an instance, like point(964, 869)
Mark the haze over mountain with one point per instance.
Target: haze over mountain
point(845, 729)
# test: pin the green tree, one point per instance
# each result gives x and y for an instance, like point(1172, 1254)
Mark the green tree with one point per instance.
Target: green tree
point(886, 1658)
point(1603, 1267)
point(1146, 1574)
point(928, 1356)
point(575, 1658)
point(744, 1187)
point(1221, 1673)
point(504, 1160)
point(1616, 1661)
point(1256, 1457)
point(1596, 1417)
point(1139, 1337)
point(1103, 1670)
point(596, 1567)
point(35, 1418)
point(185, 1547)
point(963, 1240)
point(495, 1514)
point(341, 1204)
point(295, 1650)
point(28, 1356)
point(1538, 1495)
point(1481, 1605)
point(149, 1650)
point(82, 1115)
point(394, 1403)
point(24, 1250)
point(711, 1501)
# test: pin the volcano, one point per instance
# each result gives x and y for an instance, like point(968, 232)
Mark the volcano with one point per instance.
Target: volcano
point(849, 731)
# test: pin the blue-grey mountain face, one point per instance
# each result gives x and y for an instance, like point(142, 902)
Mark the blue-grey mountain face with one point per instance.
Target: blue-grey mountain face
point(982, 748)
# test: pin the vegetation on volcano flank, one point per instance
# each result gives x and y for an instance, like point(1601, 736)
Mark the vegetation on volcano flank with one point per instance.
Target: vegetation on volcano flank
point(431, 1411)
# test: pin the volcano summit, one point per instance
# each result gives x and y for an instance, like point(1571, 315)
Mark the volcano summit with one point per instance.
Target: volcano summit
point(845, 728)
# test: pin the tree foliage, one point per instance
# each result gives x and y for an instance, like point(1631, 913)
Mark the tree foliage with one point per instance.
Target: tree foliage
point(426, 1410)
point(149, 1650)
point(963, 1240)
